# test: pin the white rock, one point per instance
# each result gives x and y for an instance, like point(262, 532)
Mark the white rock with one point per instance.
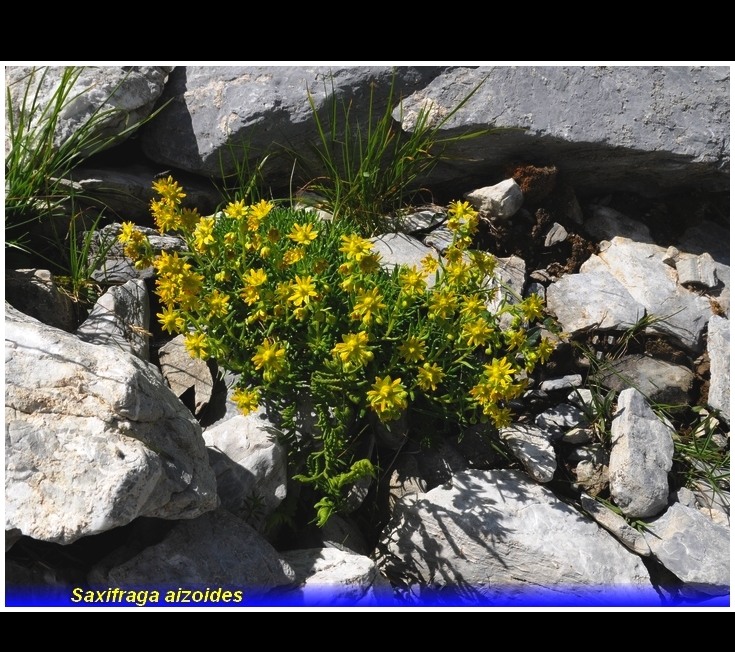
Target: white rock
point(557, 233)
point(184, 373)
point(653, 284)
point(120, 319)
point(593, 300)
point(718, 349)
point(439, 239)
point(560, 418)
point(93, 439)
point(640, 458)
point(532, 447)
point(401, 249)
point(496, 534)
point(331, 577)
point(697, 271)
point(564, 382)
point(216, 550)
point(503, 200)
point(692, 547)
point(250, 465)
point(616, 525)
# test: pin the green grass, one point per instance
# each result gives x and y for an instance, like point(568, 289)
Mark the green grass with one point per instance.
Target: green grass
point(41, 201)
point(369, 171)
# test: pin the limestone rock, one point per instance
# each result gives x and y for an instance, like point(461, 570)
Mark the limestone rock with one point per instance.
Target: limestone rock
point(673, 131)
point(503, 200)
point(120, 318)
point(640, 269)
point(605, 223)
point(94, 438)
point(331, 577)
point(659, 381)
point(560, 418)
point(532, 446)
point(250, 465)
point(640, 458)
point(492, 534)
point(692, 547)
point(125, 95)
point(35, 293)
point(221, 114)
point(593, 300)
point(126, 191)
point(698, 271)
point(184, 373)
point(616, 525)
point(401, 249)
point(215, 550)
point(557, 233)
point(718, 349)
point(564, 382)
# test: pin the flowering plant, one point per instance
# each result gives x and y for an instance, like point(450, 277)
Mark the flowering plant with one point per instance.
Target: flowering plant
point(303, 309)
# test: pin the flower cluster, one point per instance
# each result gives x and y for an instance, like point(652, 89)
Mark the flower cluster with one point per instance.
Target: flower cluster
point(297, 305)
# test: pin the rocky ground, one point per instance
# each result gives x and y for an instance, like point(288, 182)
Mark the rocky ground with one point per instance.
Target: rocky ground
point(128, 465)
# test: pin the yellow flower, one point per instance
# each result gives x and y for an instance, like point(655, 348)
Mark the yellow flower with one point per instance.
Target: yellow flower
point(293, 256)
point(483, 261)
point(353, 350)
point(255, 277)
point(476, 333)
point(236, 210)
point(171, 320)
point(369, 303)
point(532, 307)
point(270, 356)
point(515, 339)
point(258, 212)
point(355, 248)
point(219, 304)
point(127, 232)
point(250, 295)
point(545, 349)
point(463, 218)
point(246, 400)
point(169, 189)
point(203, 236)
point(501, 417)
point(369, 263)
point(303, 234)
point(499, 374)
point(458, 272)
point(429, 263)
point(196, 345)
point(442, 304)
point(171, 264)
point(412, 282)
point(388, 397)
point(413, 349)
point(188, 219)
point(302, 290)
point(430, 375)
point(472, 306)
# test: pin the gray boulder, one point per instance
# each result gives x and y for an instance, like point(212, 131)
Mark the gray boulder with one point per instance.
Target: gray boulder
point(498, 535)
point(692, 547)
point(592, 300)
point(35, 293)
point(532, 447)
point(718, 349)
point(184, 373)
point(93, 438)
point(631, 128)
point(503, 200)
point(216, 550)
point(615, 525)
point(126, 191)
point(640, 458)
point(120, 318)
point(659, 381)
point(250, 466)
point(222, 114)
point(124, 95)
point(640, 268)
point(331, 577)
